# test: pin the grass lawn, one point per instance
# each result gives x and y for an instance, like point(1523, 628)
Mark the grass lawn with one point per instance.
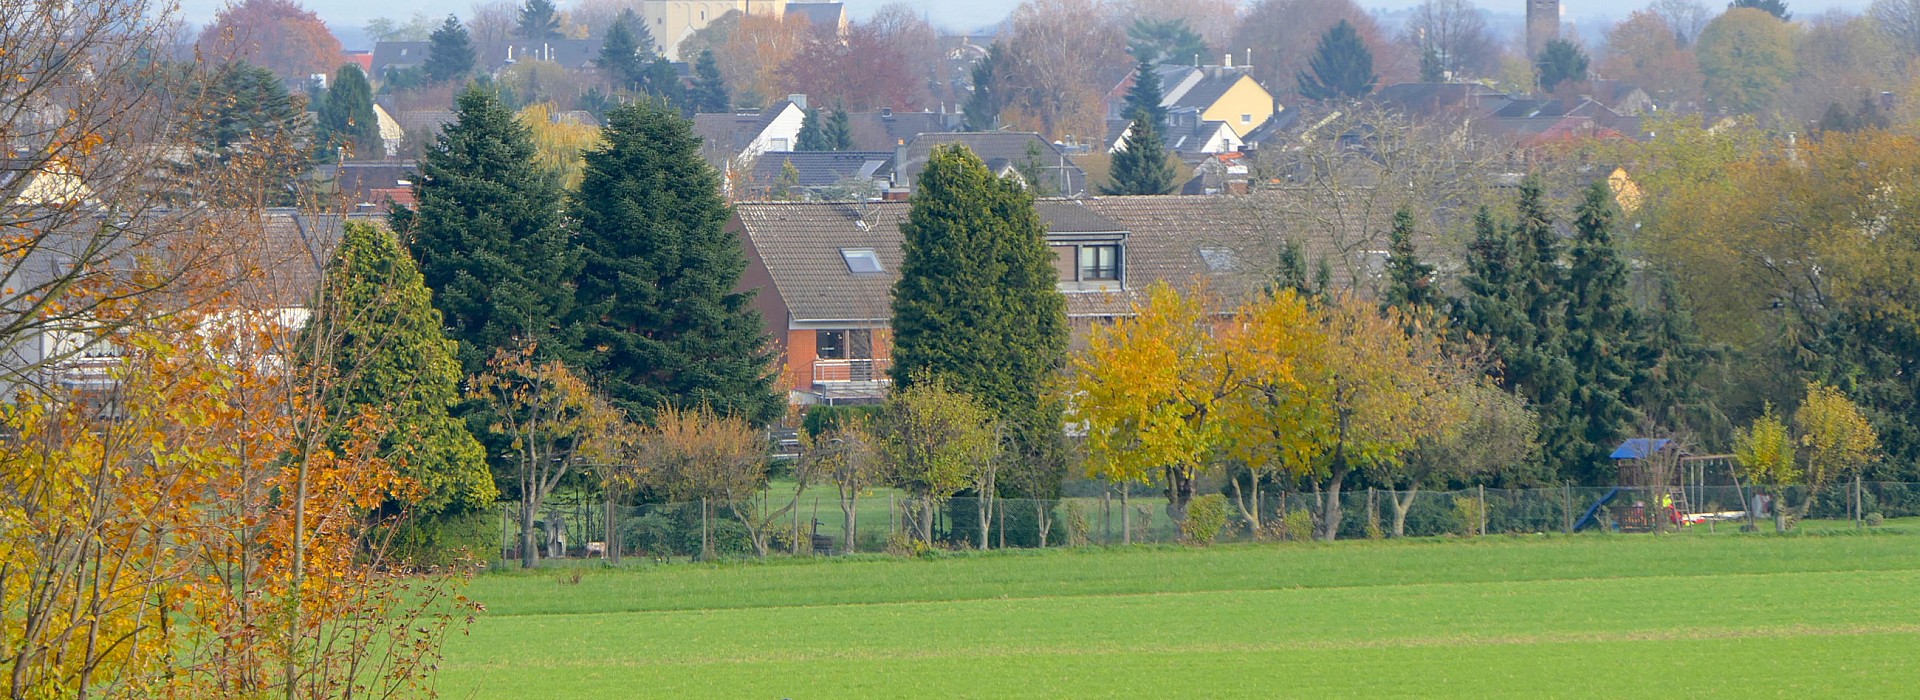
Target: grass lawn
point(1588, 616)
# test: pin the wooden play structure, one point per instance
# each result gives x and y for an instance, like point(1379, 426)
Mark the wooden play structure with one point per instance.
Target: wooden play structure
point(1663, 482)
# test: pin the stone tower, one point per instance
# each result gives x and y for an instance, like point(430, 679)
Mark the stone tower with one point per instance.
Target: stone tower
point(1543, 25)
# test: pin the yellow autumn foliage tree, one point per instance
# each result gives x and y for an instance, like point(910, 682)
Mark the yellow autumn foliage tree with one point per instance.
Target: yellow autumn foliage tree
point(558, 142)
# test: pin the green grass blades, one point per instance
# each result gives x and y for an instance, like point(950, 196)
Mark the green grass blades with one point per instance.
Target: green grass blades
point(1533, 617)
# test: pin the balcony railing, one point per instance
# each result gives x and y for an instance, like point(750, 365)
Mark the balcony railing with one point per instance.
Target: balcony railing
point(840, 371)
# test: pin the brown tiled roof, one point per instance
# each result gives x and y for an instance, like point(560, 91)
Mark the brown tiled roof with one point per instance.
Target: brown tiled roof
point(1228, 241)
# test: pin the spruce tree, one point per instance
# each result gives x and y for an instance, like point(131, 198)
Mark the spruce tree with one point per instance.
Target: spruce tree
point(1674, 369)
point(1432, 69)
point(1561, 62)
point(620, 60)
point(1341, 67)
point(386, 354)
point(709, 93)
point(1290, 270)
point(1537, 366)
point(1409, 281)
point(449, 53)
point(839, 130)
point(658, 318)
point(1777, 8)
point(813, 133)
point(1140, 166)
point(976, 302)
point(983, 106)
point(642, 36)
point(346, 115)
point(1489, 306)
point(487, 232)
point(250, 115)
point(539, 21)
point(1600, 335)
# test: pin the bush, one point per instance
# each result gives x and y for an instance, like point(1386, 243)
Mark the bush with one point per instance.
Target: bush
point(1206, 516)
point(1876, 520)
point(1073, 517)
point(1291, 525)
point(446, 539)
point(1468, 511)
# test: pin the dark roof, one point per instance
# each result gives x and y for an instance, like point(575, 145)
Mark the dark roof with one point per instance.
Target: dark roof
point(1213, 82)
point(882, 131)
point(1000, 150)
point(569, 53)
point(820, 168)
point(1432, 99)
point(1639, 448)
point(357, 181)
point(1226, 240)
point(398, 55)
point(427, 121)
point(819, 14)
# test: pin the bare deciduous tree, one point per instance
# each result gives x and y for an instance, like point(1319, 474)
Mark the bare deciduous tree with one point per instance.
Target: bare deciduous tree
point(1456, 31)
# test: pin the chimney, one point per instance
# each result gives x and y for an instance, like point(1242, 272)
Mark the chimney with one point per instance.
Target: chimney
point(798, 101)
point(886, 112)
point(1228, 61)
point(899, 162)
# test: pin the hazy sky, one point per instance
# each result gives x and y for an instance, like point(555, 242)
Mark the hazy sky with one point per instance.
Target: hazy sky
point(959, 15)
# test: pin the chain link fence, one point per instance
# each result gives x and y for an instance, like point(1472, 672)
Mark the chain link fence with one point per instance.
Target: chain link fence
point(824, 524)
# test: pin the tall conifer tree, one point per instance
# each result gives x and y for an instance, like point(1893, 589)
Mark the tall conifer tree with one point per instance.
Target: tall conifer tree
point(450, 52)
point(977, 301)
point(1600, 335)
point(658, 317)
point(1409, 281)
point(346, 115)
point(1341, 67)
point(487, 232)
point(539, 21)
point(387, 353)
point(1141, 167)
point(709, 92)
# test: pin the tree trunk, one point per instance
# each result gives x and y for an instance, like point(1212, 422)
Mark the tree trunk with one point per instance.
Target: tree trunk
point(926, 519)
point(1400, 509)
point(612, 544)
point(1331, 520)
point(1248, 504)
point(848, 509)
point(1042, 520)
point(1126, 514)
point(528, 555)
point(1179, 494)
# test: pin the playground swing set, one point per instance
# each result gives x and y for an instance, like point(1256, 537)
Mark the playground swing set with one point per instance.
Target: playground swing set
point(1663, 482)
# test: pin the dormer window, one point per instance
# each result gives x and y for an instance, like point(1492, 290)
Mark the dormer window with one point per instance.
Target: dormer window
point(1099, 263)
point(862, 261)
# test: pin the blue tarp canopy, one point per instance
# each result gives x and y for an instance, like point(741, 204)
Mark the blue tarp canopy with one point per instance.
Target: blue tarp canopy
point(1639, 448)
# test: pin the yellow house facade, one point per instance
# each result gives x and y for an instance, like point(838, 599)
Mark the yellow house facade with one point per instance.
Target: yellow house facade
point(1244, 106)
point(672, 21)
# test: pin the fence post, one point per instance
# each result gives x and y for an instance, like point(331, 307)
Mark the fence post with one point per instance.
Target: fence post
point(1126, 514)
point(1483, 510)
point(1106, 516)
point(1566, 508)
point(1001, 504)
point(706, 535)
point(891, 519)
point(1859, 503)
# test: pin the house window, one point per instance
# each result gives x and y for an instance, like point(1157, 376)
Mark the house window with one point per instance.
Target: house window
point(1099, 263)
point(1064, 263)
point(854, 344)
point(1218, 259)
point(862, 261)
point(1246, 119)
point(830, 345)
point(779, 145)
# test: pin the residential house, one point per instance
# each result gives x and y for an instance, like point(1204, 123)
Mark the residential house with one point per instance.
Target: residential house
point(730, 141)
point(886, 129)
point(823, 273)
point(397, 56)
point(1006, 153)
point(1208, 100)
point(1220, 173)
point(818, 175)
point(672, 21)
point(829, 18)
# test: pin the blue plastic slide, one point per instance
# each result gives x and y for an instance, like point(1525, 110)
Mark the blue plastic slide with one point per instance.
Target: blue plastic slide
point(1593, 510)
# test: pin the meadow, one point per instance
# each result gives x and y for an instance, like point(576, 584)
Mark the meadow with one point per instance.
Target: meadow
point(1535, 616)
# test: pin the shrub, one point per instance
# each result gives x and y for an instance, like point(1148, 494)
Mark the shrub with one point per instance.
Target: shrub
point(1291, 525)
point(1876, 520)
point(1469, 511)
point(1073, 517)
point(1206, 516)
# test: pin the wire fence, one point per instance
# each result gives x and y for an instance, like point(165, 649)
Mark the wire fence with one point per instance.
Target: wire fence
point(823, 524)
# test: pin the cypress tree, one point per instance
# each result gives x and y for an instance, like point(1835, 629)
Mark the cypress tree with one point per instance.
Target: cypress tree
point(976, 302)
point(1409, 281)
point(388, 356)
point(346, 115)
point(657, 315)
point(1432, 69)
point(983, 106)
point(709, 89)
point(487, 232)
point(1341, 67)
point(1141, 167)
point(450, 53)
point(539, 21)
point(1599, 338)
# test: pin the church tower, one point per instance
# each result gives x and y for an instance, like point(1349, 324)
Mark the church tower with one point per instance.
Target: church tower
point(1543, 25)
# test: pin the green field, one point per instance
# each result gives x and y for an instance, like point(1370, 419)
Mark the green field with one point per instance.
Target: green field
point(1584, 616)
